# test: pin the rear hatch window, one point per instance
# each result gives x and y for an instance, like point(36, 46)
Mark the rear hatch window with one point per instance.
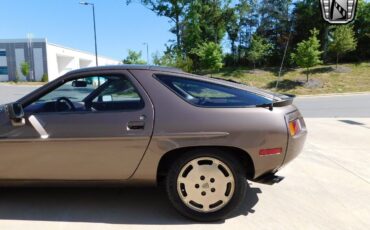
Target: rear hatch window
point(208, 94)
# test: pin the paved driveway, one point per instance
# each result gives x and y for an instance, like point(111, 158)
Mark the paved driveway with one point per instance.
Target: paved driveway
point(10, 93)
point(351, 105)
point(326, 187)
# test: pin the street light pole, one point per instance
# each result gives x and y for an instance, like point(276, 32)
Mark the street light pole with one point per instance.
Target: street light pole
point(31, 58)
point(147, 52)
point(96, 45)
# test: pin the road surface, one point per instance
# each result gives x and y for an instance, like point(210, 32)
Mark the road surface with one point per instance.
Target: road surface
point(326, 187)
point(353, 105)
point(10, 93)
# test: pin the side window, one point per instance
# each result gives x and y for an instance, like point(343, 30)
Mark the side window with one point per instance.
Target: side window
point(118, 94)
point(207, 94)
point(93, 93)
point(119, 90)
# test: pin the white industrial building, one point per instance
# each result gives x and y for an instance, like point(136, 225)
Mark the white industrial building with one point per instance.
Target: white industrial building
point(43, 58)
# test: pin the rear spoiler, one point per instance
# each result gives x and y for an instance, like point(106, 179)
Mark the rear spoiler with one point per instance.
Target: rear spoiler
point(284, 100)
point(287, 99)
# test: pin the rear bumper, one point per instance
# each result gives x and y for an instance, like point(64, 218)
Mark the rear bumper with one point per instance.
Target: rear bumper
point(294, 148)
point(293, 145)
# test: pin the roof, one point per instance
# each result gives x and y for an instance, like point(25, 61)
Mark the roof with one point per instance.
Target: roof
point(80, 51)
point(129, 67)
point(175, 70)
point(23, 40)
point(44, 40)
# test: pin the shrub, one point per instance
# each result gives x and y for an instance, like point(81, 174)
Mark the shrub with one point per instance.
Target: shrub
point(45, 77)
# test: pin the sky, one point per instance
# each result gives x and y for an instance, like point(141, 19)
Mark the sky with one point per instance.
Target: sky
point(67, 23)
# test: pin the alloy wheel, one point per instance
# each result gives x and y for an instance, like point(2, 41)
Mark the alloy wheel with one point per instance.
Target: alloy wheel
point(205, 184)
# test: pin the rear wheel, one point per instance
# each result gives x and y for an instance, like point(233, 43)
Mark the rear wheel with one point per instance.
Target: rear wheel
point(206, 185)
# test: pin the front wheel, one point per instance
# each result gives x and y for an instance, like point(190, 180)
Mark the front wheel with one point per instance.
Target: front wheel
point(206, 185)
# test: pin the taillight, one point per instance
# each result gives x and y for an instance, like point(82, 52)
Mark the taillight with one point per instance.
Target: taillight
point(295, 127)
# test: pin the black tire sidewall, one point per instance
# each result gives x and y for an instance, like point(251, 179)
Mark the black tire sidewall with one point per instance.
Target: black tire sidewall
point(239, 188)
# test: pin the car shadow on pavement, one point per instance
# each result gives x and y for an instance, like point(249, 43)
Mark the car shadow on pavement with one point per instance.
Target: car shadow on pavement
point(99, 205)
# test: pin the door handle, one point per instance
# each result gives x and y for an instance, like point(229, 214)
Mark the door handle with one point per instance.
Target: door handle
point(135, 125)
point(38, 127)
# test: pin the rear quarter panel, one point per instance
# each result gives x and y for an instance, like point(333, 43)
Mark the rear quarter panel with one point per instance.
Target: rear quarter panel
point(179, 124)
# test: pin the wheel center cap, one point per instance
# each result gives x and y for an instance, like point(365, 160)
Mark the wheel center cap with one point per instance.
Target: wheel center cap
point(205, 186)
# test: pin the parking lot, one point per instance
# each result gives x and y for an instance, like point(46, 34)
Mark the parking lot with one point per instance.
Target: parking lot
point(326, 187)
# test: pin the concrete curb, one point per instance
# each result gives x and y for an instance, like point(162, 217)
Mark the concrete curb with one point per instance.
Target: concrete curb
point(334, 94)
point(12, 85)
point(298, 96)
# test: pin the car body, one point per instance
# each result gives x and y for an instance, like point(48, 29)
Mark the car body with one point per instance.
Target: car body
point(130, 127)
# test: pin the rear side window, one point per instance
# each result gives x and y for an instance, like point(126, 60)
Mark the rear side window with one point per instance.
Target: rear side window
point(202, 93)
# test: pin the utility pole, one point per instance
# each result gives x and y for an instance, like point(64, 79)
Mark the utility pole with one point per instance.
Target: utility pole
point(31, 59)
point(96, 45)
point(147, 52)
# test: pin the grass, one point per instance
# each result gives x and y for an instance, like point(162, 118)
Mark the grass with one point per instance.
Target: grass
point(355, 78)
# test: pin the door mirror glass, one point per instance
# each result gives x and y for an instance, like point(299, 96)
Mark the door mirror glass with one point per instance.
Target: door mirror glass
point(107, 98)
point(79, 84)
point(15, 111)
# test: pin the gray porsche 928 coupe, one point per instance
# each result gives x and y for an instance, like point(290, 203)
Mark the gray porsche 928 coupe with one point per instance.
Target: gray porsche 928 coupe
point(199, 137)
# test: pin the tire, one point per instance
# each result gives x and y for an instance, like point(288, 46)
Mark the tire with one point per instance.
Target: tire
point(206, 184)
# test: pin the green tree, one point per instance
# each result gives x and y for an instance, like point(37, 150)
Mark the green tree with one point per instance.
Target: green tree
point(25, 68)
point(362, 29)
point(238, 24)
point(205, 22)
point(308, 53)
point(259, 48)
point(163, 60)
point(172, 59)
point(342, 41)
point(172, 9)
point(275, 25)
point(307, 16)
point(248, 11)
point(233, 29)
point(210, 55)
point(211, 16)
point(45, 77)
point(133, 57)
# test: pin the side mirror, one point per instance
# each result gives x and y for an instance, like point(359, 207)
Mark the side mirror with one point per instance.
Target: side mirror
point(16, 113)
point(79, 84)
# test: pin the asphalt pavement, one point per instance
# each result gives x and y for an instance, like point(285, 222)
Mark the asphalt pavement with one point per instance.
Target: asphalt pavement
point(326, 187)
point(11, 93)
point(346, 105)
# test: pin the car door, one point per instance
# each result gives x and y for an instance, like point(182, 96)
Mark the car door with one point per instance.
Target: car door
point(103, 142)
